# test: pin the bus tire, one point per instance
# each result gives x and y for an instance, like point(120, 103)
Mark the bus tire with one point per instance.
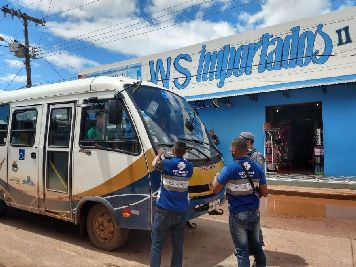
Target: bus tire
point(3, 208)
point(103, 229)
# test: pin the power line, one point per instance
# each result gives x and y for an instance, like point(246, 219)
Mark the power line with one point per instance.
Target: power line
point(159, 11)
point(85, 46)
point(124, 22)
point(30, 4)
point(49, 8)
point(14, 78)
point(5, 70)
point(70, 9)
point(142, 33)
point(25, 50)
point(52, 67)
point(115, 33)
point(236, 44)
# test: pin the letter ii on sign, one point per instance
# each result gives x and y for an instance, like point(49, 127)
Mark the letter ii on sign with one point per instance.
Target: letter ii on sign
point(347, 36)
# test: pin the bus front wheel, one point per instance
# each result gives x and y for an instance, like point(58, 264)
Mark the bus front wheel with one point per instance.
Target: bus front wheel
point(103, 229)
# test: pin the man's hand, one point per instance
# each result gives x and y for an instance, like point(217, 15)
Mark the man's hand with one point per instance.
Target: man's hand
point(216, 186)
point(160, 152)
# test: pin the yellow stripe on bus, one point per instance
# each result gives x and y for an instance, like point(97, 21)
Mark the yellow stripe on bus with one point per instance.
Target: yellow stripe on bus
point(138, 170)
point(126, 177)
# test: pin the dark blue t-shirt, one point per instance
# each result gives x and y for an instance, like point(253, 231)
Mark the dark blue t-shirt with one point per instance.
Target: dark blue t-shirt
point(173, 192)
point(239, 191)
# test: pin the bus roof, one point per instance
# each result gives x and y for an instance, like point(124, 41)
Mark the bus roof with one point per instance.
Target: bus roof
point(67, 88)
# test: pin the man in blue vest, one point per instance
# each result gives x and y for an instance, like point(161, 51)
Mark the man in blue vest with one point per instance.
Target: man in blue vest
point(243, 196)
point(256, 156)
point(172, 204)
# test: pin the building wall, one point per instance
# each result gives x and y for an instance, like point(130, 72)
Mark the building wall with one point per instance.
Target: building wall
point(339, 122)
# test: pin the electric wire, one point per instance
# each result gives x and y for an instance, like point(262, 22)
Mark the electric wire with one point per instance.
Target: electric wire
point(79, 47)
point(76, 47)
point(71, 9)
point(78, 38)
point(49, 8)
point(54, 69)
point(14, 78)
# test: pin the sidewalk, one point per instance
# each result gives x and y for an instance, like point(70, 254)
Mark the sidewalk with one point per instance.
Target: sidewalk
point(317, 181)
point(314, 192)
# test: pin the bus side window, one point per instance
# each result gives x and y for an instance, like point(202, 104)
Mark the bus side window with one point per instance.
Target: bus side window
point(96, 132)
point(23, 128)
point(4, 120)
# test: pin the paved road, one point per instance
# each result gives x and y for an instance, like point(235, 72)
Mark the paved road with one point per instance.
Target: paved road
point(33, 240)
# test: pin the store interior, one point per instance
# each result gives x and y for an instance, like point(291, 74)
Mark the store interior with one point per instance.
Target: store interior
point(293, 139)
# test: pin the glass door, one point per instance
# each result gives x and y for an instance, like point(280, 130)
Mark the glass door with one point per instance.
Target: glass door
point(58, 169)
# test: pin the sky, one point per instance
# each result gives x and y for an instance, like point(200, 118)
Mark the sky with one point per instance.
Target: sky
point(84, 33)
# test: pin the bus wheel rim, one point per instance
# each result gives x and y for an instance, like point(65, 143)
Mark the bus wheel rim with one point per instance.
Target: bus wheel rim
point(104, 227)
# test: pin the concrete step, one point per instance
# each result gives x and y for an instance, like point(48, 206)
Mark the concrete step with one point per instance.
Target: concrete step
point(312, 192)
point(313, 181)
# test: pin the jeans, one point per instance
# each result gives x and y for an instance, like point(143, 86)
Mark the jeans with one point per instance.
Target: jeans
point(166, 221)
point(245, 231)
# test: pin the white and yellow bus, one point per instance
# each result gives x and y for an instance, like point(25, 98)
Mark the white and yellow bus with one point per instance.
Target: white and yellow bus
point(81, 151)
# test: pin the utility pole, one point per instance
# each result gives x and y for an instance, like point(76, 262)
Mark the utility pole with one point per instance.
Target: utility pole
point(24, 18)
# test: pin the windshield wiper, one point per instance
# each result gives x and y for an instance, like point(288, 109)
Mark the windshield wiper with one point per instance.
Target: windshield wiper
point(202, 143)
point(188, 148)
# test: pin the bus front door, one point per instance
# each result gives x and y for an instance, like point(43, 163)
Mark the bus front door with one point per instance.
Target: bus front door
point(4, 121)
point(58, 163)
point(24, 157)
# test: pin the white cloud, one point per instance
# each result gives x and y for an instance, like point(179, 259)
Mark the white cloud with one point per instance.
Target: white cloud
point(79, 9)
point(278, 11)
point(14, 63)
point(163, 10)
point(115, 25)
point(134, 40)
point(13, 77)
point(65, 60)
point(347, 3)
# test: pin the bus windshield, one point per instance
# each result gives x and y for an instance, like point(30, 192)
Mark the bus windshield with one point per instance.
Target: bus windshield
point(169, 117)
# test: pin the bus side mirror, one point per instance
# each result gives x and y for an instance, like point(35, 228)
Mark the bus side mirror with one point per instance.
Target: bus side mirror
point(115, 108)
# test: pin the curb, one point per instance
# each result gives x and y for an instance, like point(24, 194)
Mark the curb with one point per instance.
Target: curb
point(339, 194)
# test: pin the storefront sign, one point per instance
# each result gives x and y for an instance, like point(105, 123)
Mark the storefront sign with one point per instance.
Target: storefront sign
point(305, 53)
point(296, 49)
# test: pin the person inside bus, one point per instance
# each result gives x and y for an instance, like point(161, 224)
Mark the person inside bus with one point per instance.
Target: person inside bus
point(172, 203)
point(97, 132)
point(214, 136)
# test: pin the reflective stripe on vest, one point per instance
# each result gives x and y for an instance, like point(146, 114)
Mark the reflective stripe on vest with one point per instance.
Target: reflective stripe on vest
point(175, 183)
point(240, 187)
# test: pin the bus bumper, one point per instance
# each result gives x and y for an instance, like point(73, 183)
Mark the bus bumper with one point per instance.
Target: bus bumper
point(201, 206)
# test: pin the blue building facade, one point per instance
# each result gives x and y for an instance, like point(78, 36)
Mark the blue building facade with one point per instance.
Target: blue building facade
point(338, 122)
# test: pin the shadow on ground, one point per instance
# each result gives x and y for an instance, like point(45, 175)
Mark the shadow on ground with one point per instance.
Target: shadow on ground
point(275, 258)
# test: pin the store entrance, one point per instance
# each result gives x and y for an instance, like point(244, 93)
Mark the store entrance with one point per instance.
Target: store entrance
point(293, 141)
